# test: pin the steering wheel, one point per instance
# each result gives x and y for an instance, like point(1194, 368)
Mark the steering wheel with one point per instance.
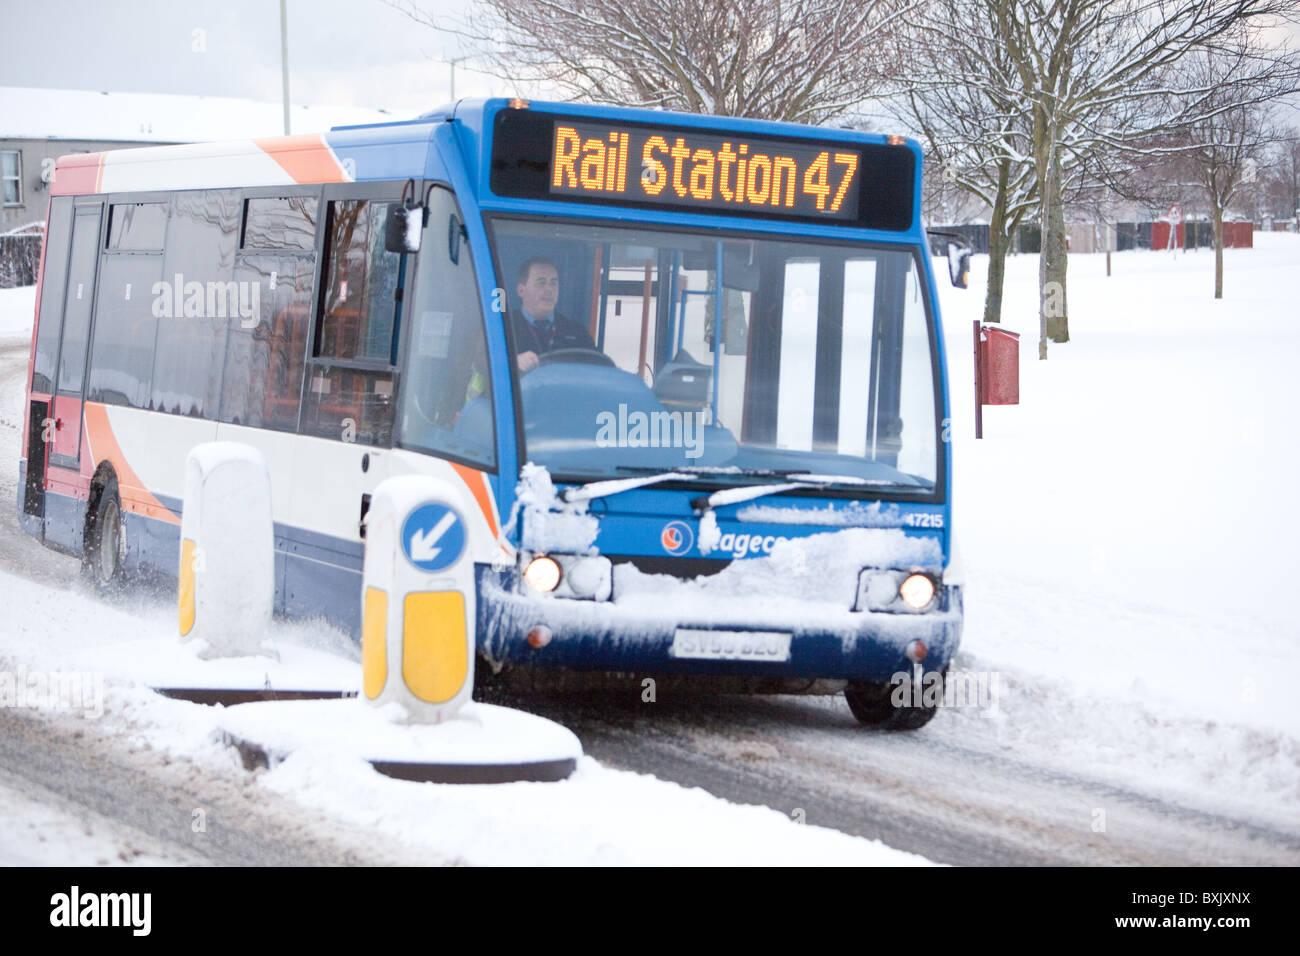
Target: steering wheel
point(583, 356)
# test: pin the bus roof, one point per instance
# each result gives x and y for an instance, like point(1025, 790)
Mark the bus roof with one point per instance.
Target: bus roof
point(404, 149)
point(380, 152)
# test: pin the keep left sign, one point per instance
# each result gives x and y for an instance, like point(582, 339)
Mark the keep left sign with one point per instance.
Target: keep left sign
point(433, 537)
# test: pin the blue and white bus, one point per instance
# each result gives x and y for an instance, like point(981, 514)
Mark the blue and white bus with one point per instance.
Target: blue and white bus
point(689, 368)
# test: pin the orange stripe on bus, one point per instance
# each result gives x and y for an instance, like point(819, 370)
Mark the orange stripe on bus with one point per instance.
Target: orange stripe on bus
point(306, 158)
point(476, 481)
point(103, 446)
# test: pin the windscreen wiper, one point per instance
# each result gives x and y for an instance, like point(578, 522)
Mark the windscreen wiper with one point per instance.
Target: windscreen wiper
point(696, 471)
point(612, 486)
point(731, 496)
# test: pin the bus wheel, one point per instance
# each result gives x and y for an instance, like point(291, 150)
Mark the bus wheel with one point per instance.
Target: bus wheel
point(873, 705)
point(105, 552)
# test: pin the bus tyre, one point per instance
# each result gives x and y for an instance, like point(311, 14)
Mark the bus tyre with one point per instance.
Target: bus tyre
point(103, 562)
point(873, 705)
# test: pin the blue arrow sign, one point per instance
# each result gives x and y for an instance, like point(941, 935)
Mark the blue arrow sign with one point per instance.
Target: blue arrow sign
point(433, 537)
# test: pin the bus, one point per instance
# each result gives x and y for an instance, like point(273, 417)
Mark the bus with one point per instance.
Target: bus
point(689, 370)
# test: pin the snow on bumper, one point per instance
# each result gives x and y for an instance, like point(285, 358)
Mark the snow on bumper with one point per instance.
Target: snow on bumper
point(805, 588)
point(632, 636)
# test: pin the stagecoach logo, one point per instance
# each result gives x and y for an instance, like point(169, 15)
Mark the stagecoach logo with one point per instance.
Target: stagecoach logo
point(677, 537)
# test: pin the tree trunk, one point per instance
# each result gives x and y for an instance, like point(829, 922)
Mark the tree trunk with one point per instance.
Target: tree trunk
point(1054, 251)
point(997, 248)
point(1042, 164)
point(1218, 249)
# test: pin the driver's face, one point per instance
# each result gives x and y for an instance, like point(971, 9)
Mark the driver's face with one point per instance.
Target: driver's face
point(540, 291)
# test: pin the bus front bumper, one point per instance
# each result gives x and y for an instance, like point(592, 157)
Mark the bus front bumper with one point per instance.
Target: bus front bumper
point(733, 639)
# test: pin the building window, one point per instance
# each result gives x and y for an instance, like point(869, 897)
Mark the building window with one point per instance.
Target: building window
point(11, 177)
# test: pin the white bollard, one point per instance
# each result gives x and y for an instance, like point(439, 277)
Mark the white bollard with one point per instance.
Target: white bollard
point(418, 599)
point(227, 572)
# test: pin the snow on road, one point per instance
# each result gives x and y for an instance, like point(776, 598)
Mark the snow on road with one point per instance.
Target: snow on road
point(37, 832)
point(598, 816)
point(1129, 539)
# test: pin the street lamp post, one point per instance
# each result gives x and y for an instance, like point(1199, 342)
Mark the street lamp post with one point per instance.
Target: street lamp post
point(452, 65)
point(284, 61)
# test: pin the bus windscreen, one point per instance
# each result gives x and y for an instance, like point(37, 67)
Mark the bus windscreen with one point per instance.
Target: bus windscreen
point(545, 156)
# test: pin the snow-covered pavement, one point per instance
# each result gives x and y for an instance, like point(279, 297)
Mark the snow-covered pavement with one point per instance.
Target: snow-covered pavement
point(1130, 530)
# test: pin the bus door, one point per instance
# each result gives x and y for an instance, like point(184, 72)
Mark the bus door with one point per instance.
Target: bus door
point(40, 430)
point(78, 302)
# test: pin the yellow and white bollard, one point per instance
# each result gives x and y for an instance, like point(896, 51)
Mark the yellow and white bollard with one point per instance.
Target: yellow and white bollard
point(418, 599)
point(227, 569)
point(417, 649)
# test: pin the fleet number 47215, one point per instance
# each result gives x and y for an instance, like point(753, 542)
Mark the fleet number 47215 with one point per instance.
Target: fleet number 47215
point(923, 519)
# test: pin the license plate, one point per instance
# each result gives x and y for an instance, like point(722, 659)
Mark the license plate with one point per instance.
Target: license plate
point(705, 645)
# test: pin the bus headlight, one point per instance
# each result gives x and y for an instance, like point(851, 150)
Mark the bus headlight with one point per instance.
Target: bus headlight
point(589, 578)
point(543, 574)
point(917, 591)
point(584, 577)
point(897, 592)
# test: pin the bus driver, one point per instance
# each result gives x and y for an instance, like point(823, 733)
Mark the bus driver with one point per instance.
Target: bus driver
point(538, 328)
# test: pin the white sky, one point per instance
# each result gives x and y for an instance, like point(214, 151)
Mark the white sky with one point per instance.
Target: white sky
point(341, 52)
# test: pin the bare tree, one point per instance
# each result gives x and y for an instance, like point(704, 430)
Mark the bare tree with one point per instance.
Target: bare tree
point(1228, 148)
point(802, 61)
point(1281, 181)
point(975, 132)
point(1091, 76)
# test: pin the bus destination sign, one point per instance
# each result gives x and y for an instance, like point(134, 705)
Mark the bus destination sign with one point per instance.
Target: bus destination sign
point(705, 170)
point(545, 156)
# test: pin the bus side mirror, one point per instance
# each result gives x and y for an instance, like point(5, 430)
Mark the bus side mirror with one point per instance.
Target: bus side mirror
point(403, 228)
point(958, 264)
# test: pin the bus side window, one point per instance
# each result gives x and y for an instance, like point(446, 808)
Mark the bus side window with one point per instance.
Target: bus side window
point(197, 304)
point(126, 323)
point(54, 279)
point(264, 361)
point(360, 279)
point(446, 405)
point(265, 355)
point(350, 382)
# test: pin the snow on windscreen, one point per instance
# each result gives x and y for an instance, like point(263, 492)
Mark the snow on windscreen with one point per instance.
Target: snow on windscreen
point(855, 514)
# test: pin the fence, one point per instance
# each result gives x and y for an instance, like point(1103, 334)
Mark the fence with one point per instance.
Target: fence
point(1085, 237)
point(19, 257)
point(1199, 234)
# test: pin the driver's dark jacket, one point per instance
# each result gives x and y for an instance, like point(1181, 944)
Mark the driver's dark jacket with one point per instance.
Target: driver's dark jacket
point(564, 333)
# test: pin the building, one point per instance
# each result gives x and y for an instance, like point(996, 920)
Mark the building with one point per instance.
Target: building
point(39, 125)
